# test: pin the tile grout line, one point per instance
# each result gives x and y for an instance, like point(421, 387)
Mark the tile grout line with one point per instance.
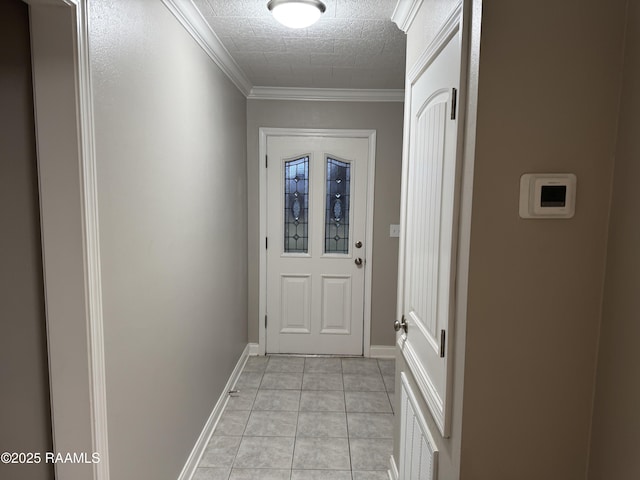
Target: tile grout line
point(295, 436)
point(346, 419)
point(298, 411)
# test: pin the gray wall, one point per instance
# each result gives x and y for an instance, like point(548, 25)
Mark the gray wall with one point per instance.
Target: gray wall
point(25, 419)
point(171, 160)
point(547, 102)
point(616, 422)
point(387, 119)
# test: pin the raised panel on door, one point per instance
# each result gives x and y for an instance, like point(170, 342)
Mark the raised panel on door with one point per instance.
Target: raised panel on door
point(418, 453)
point(295, 304)
point(428, 262)
point(336, 305)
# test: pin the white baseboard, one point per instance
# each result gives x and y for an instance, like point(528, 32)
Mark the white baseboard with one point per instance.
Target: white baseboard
point(190, 466)
point(254, 349)
point(382, 351)
point(393, 470)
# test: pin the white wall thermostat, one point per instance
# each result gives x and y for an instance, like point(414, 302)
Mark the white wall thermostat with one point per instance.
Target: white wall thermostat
point(547, 195)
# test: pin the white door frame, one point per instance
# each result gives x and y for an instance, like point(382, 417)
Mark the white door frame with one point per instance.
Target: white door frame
point(63, 102)
point(266, 132)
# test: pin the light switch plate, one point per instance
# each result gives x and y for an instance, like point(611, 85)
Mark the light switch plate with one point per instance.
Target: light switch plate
point(394, 230)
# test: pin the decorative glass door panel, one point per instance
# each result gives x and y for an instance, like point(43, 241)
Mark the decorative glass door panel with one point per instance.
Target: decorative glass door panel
point(336, 227)
point(296, 205)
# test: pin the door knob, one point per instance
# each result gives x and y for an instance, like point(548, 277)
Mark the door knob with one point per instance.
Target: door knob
point(400, 324)
point(358, 261)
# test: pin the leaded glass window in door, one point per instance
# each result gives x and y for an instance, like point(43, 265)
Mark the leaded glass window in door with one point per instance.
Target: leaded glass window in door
point(338, 193)
point(296, 205)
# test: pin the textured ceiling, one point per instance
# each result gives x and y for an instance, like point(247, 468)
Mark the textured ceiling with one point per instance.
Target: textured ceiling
point(354, 44)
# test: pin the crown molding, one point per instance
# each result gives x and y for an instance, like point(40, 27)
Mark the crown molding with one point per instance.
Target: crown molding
point(191, 19)
point(326, 94)
point(405, 12)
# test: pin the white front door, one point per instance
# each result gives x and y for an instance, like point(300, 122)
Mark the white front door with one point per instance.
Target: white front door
point(430, 187)
point(316, 223)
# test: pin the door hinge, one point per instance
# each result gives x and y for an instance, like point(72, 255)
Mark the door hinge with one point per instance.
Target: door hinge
point(266, 161)
point(265, 321)
point(454, 102)
point(443, 336)
point(266, 242)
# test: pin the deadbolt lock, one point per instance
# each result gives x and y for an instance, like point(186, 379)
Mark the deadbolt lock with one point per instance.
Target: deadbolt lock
point(358, 244)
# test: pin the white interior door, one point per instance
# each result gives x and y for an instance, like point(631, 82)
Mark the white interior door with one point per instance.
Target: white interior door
point(430, 227)
point(316, 223)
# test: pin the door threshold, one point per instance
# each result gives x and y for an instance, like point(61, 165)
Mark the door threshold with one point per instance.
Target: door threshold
point(314, 355)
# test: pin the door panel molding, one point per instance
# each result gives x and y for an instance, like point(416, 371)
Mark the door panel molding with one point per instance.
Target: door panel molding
point(427, 388)
point(418, 451)
point(264, 134)
point(295, 287)
point(339, 286)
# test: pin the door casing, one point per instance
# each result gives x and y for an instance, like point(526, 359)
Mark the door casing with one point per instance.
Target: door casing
point(264, 133)
point(69, 227)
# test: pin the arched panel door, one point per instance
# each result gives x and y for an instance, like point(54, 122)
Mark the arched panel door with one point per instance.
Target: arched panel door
point(431, 192)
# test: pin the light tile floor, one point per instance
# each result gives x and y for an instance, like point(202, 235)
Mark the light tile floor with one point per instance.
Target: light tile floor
point(305, 418)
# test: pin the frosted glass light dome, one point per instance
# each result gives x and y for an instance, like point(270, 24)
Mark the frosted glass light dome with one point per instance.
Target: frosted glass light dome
point(296, 13)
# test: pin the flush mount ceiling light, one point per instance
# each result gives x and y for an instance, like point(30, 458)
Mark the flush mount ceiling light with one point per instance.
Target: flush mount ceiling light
point(296, 13)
